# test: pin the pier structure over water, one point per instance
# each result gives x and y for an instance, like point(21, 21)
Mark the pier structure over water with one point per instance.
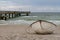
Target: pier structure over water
point(4, 15)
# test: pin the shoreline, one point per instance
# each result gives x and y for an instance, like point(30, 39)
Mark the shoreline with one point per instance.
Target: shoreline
point(18, 32)
point(25, 22)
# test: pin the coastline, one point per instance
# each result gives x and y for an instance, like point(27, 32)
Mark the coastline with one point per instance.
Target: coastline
point(18, 32)
point(24, 22)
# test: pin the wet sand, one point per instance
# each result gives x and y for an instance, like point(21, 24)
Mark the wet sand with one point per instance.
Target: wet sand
point(19, 32)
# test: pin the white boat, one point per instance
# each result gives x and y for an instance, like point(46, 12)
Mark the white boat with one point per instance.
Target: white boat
point(42, 26)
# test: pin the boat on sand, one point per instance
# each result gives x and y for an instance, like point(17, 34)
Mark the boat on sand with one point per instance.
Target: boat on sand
point(43, 27)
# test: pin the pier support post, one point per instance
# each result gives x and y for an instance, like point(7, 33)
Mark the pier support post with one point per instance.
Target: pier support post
point(0, 16)
point(5, 17)
point(15, 14)
point(9, 15)
point(12, 15)
point(27, 14)
point(19, 14)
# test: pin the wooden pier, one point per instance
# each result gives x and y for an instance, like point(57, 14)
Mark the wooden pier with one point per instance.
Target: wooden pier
point(4, 15)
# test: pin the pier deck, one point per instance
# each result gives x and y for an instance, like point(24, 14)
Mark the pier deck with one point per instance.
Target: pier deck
point(4, 15)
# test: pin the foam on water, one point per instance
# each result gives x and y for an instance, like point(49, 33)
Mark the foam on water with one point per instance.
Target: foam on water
point(24, 22)
point(16, 22)
point(57, 22)
point(19, 22)
point(30, 16)
point(3, 22)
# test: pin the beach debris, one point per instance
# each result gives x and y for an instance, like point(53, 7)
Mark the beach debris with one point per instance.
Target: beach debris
point(43, 27)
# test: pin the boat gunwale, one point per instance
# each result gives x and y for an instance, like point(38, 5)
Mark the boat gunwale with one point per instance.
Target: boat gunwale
point(42, 21)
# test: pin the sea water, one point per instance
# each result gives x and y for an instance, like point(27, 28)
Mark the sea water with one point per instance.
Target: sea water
point(34, 16)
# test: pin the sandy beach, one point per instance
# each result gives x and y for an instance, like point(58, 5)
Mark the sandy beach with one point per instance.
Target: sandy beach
point(18, 32)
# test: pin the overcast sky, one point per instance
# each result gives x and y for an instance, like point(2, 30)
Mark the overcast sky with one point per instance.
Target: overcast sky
point(31, 5)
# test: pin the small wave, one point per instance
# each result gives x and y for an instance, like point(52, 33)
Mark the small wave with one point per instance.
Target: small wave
point(30, 16)
point(57, 22)
point(2, 21)
point(20, 22)
point(25, 22)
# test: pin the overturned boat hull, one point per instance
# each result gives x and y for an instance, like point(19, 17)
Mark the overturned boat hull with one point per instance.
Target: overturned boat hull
point(42, 26)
